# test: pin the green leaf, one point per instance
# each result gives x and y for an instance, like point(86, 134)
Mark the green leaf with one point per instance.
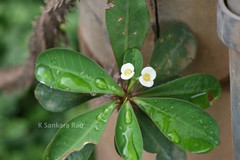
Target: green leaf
point(200, 89)
point(177, 153)
point(128, 138)
point(92, 157)
point(127, 23)
point(68, 70)
point(155, 142)
point(174, 51)
point(58, 101)
point(134, 57)
point(182, 123)
point(84, 154)
point(75, 134)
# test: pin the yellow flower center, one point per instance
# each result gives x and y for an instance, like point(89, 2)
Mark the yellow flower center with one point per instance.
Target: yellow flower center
point(127, 72)
point(147, 77)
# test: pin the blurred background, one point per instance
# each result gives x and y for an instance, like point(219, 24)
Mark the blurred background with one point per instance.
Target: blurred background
point(20, 113)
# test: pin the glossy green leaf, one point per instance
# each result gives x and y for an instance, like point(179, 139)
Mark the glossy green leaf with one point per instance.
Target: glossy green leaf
point(200, 89)
point(177, 153)
point(134, 57)
point(127, 23)
point(155, 142)
point(58, 101)
point(84, 154)
point(75, 134)
point(182, 122)
point(174, 51)
point(128, 138)
point(71, 71)
point(93, 156)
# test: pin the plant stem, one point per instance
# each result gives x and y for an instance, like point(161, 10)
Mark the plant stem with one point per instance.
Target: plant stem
point(131, 84)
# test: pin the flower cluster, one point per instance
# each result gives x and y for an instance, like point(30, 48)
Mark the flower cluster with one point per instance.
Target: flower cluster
point(147, 77)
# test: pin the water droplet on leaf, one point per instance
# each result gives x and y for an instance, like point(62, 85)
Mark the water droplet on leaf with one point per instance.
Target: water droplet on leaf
point(101, 84)
point(72, 82)
point(56, 73)
point(97, 127)
point(201, 121)
point(106, 111)
point(128, 117)
point(173, 136)
point(111, 107)
point(53, 61)
point(93, 94)
point(165, 124)
point(113, 88)
point(44, 74)
point(101, 118)
point(129, 151)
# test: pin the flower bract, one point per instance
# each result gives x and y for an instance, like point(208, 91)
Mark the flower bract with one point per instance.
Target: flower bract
point(147, 77)
point(127, 71)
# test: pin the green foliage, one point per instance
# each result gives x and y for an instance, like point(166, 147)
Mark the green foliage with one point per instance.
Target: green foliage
point(200, 89)
point(128, 138)
point(168, 119)
point(134, 57)
point(52, 99)
point(70, 71)
point(84, 154)
point(155, 142)
point(174, 51)
point(127, 25)
point(182, 123)
point(89, 125)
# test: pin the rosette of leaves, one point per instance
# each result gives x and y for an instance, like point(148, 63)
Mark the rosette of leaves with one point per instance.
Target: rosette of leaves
point(166, 119)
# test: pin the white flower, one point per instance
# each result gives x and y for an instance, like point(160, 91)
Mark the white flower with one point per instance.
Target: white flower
point(127, 71)
point(147, 77)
